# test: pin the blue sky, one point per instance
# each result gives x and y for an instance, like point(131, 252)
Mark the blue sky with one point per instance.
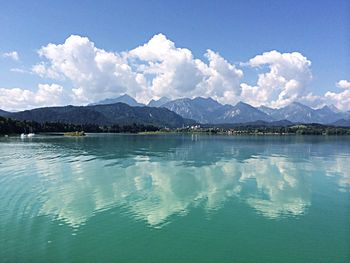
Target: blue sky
point(237, 30)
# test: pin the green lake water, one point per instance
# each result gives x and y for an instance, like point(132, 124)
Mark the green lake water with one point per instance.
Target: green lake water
point(175, 198)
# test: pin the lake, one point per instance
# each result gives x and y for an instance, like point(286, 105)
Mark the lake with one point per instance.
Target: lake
point(175, 198)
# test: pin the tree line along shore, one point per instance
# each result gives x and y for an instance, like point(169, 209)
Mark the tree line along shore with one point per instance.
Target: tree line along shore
point(10, 126)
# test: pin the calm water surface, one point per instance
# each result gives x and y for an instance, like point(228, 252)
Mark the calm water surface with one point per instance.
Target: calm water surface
point(175, 198)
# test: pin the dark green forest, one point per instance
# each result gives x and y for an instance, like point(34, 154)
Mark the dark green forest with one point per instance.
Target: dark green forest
point(308, 129)
point(304, 129)
point(10, 126)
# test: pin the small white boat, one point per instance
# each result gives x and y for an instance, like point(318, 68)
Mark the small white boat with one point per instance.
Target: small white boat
point(29, 135)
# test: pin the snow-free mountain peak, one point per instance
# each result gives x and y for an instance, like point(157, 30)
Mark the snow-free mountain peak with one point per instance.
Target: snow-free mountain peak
point(267, 110)
point(242, 104)
point(127, 99)
point(158, 103)
point(334, 108)
point(242, 112)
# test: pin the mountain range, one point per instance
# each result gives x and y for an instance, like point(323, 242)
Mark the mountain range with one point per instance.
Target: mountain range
point(207, 110)
point(179, 112)
point(105, 114)
point(300, 113)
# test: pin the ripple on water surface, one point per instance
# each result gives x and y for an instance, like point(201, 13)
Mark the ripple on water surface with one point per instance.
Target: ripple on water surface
point(210, 198)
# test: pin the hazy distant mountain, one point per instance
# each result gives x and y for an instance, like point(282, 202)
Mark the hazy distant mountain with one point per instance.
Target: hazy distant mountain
point(242, 112)
point(4, 113)
point(347, 115)
point(109, 114)
point(207, 110)
point(300, 113)
point(296, 112)
point(328, 115)
point(334, 108)
point(124, 99)
point(267, 110)
point(282, 123)
point(158, 103)
point(342, 123)
point(200, 109)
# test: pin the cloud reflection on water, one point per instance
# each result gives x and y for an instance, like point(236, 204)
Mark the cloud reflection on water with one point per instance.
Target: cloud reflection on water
point(154, 188)
point(155, 178)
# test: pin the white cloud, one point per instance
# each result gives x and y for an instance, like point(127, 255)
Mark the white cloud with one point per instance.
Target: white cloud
point(313, 101)
point(94, 73)
point(21, 99)
point(12, 55)
point(157, 68)
point(223, 79)
point(160, 68)
point(173, 71)
point(43, 71)
point(344, 84)
point(342, 99)
point(286, 81)
point(176, 73)
point(339, 99)
point(19, 70)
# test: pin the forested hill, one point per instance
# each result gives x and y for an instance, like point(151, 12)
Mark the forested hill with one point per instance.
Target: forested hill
point(10, 126)
point(104, 115)
point(4, 113)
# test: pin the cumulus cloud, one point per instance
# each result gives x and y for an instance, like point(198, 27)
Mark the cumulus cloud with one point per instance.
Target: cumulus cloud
point(21, 99)
point(12, 55)
point(339, 99)
point(342, 99)
point(173, 71)
point(94, 73)
point(223, 79)
point(157, 68)
point(344, 84)
point(176, 73)
point(286, 81)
